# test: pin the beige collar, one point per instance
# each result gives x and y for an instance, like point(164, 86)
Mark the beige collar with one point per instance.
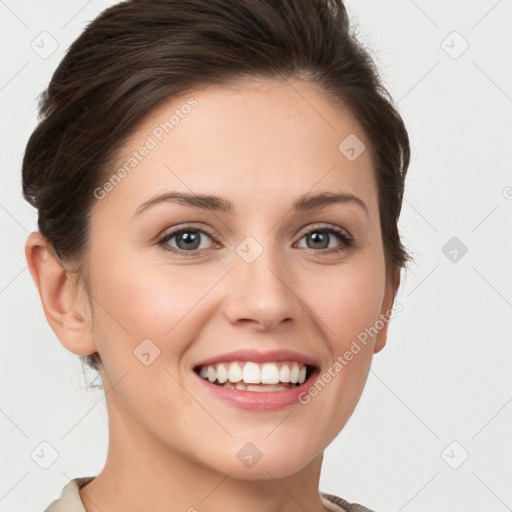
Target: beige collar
point(69, 500)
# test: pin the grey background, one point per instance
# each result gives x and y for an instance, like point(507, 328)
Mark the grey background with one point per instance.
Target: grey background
point(430, 430)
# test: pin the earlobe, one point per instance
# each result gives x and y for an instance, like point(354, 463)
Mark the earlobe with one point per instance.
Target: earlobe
point(65, 308)
point(387, 305)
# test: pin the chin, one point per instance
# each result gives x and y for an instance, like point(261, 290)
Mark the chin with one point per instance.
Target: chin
point(262, 461)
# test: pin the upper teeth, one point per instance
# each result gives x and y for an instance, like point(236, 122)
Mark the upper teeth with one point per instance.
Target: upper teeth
point(255, 373)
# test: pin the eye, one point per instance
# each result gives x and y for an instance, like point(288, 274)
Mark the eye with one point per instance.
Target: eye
point(321, 237)
point(191, 241)
point(188, 240)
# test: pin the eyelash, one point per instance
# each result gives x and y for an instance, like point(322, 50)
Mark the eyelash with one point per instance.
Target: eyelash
point(346, 240)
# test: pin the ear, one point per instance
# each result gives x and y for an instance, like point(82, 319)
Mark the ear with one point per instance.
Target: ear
point(387, 304)
point(65, 309)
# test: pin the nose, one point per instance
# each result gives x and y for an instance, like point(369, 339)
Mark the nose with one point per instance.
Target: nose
point(262, 292)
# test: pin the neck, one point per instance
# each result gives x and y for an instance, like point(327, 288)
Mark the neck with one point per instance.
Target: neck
point(141, 473)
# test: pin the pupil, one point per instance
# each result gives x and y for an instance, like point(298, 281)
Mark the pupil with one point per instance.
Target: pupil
point(188, 238)
point(323, 237)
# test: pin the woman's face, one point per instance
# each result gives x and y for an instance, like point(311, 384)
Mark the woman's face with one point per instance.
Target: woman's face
point(265, 275)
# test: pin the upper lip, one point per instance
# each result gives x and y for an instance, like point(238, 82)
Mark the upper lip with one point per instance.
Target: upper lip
point(259, 357)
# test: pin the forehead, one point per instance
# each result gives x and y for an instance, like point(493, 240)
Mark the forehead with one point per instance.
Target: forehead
point(253, 140)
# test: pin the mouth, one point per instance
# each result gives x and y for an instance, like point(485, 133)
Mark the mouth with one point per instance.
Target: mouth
point(255, 380)
point(256, 376)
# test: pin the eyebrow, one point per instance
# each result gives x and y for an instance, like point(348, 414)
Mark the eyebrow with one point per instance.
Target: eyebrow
point(304, 203)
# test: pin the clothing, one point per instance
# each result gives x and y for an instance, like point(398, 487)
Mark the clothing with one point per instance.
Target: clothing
point(70, 501)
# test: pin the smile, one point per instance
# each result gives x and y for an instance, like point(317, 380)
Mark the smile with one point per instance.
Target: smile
point(255, 380)
point(254, 376)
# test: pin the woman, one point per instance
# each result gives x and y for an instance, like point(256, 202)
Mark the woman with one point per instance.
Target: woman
point(258, 134)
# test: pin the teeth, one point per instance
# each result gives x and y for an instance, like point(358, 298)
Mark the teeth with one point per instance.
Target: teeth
point(252, 376)
point(251, 373)
point(269, 374)
point(234, 373)
point(294, 373)
point(284, 373)
point(212, 374)
point(222, 373)
point(255, 387)
point(266, 387)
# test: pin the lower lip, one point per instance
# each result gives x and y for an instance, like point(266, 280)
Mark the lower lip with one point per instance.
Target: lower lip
point(258, 400)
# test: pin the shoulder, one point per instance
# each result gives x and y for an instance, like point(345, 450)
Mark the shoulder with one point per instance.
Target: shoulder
point(341, 505)
point(69, 500)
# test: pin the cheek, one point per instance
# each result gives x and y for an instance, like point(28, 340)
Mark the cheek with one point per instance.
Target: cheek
point(348, 302)
point(138, 300)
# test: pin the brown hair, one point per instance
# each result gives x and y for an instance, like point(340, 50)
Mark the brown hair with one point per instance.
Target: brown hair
point(140, 52)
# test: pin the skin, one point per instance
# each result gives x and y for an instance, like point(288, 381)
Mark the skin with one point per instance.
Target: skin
point(260, 145)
